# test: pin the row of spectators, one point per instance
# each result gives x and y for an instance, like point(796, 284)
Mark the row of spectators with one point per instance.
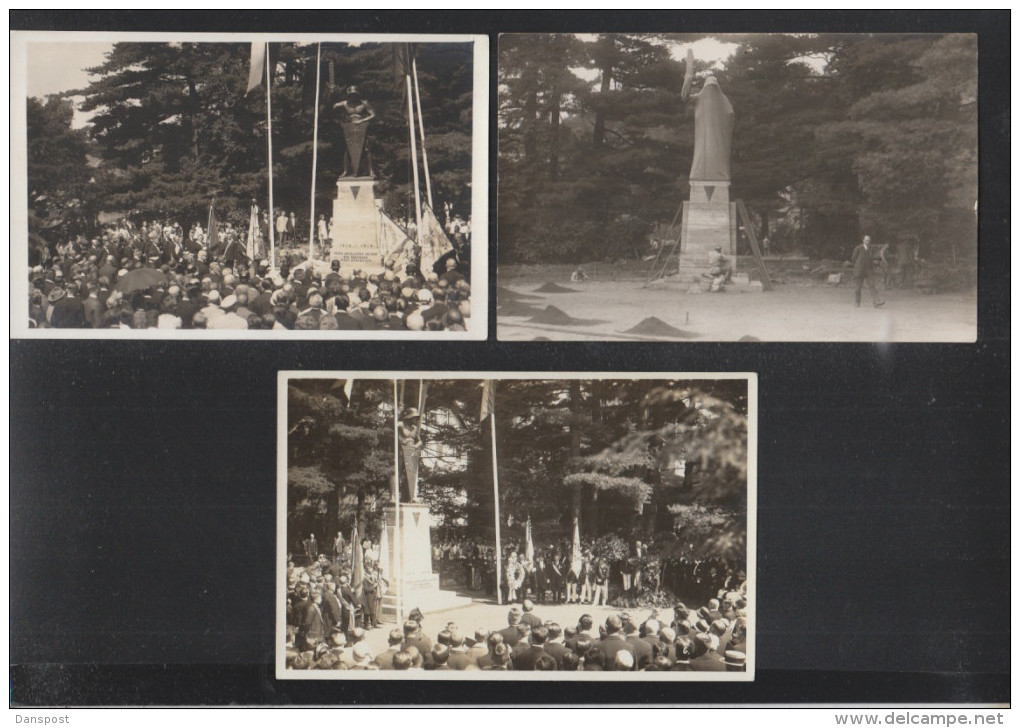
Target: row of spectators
point(712, 639)
point(155, 277)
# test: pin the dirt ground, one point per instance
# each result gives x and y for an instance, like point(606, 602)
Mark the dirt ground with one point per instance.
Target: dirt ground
point(628, 310)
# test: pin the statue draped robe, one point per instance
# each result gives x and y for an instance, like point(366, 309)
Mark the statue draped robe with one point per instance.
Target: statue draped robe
point(713, 135)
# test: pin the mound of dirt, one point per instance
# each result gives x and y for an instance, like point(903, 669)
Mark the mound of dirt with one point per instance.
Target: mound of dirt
point(505, 294)
point(653, 326)
point(516, 308)
point(556, 317)
point(554, 288)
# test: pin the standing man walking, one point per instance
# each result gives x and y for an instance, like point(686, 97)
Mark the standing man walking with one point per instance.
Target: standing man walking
point(864, 273)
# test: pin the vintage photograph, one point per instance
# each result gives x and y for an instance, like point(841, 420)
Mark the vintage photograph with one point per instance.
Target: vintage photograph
point(201, 185)
point(751, 187)
point(490, 526)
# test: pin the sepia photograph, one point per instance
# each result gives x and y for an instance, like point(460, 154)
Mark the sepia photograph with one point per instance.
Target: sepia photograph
point(232, 186)
point(493, 526)
point(738, 187)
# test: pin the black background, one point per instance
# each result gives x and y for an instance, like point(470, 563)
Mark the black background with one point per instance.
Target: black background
point(143, 489)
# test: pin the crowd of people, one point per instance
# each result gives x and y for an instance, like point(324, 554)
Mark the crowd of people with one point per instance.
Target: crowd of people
point(154, 276)
point(710, 639)
point(554, 576)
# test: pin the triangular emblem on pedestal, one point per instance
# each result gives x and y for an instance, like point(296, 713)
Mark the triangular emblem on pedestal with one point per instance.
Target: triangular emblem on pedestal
point(416, 517)
point(709, 191)
point(354, 191)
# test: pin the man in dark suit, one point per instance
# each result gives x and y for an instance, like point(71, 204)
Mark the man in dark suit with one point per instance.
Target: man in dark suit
point(385, 659)
point(642, 650)
point(554, 644)
point(460, 656)
point(512, 632)
point(526, 659)
point(332, 612)
point(705, 659)
point(614, 641)
point(348, 601)
point(585, 630)
point(414, 637)
point(486, 661)
point(864, 272)
point(312, 628)
point(529, 617)
point(311, 548)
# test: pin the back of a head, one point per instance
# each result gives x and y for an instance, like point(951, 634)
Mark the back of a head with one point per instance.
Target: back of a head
point(585, 623)
point(481, 635)
point(613, 624)
point(402, 660)
point(513, 617)
point(583, 645)
point(528, 605)
point(570, 662)
point(395, 638)
point(555, 631)
point(440, 654)
point(456, 638)
point(594, 657)
point(661, 664)
point(545, 662)
point(539, 635)
point(500, 654)
point(443, 637)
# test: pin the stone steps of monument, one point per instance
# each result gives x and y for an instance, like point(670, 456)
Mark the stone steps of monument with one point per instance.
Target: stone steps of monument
point(427, 600)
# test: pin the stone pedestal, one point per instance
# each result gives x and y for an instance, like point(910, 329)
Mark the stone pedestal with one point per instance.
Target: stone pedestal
point(709, 220)
point(409, 558)
point(356, 225)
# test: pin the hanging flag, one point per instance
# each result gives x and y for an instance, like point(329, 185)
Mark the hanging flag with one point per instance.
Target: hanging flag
point(358, 563)
point(253, 227)
point(488, 400)
point(575, 550)
point(402, 55)
point(212, 233)
point(529, 545)
point(258, 66)
point(384, 555)
point(434, 241)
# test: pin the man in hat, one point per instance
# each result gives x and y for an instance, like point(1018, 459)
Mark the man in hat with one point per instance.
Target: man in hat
point(66, 310)
point(719, 269)
point(529, 617)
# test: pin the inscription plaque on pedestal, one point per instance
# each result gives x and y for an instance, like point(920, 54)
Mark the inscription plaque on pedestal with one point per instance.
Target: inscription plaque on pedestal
point(356, 225)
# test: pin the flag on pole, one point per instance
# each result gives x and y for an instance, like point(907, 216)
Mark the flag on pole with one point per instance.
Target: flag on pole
point(488, 400)
point(253, 227)
point(529, 545)
point(575, 550)
point(402, 55)
point(358, 562)
point(257, 67)
point(384, 554)
point(212, 233)
point(347, 386)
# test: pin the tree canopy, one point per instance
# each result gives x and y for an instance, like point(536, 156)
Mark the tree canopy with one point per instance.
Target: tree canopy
point(835, 135)
point(173, 127)
point(638, 458)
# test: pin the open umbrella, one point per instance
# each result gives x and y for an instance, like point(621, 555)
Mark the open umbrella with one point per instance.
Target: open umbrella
point(140, 279)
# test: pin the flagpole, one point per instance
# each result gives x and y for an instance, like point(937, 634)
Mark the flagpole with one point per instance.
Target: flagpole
point(269, 143)
point(315, 155)
point(208, 231)
point(495, 498)
point(421, 131)
point(414, 154)
point(398, 567)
